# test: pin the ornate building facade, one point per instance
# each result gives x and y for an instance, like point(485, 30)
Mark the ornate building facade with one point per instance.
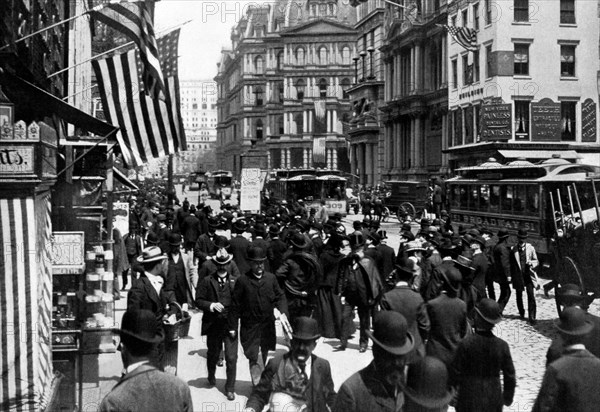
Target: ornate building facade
point(282, 87)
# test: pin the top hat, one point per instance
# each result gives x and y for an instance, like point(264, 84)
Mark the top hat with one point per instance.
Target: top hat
point(151, 254)
point(222, 257)
point(274, 230)
point(452, 279)
point(298, 240)
point(213, 223)
point(570, 294)
point(502, 234)
point(427, 383)
point(464, 262)
point(256, 254)
point(489, 310)
point(239, 226)
point(522, 234)
point(174, 239)
point(221, 242)
point(574, 322)
point(414, 245)
point(356, 240)
point(390, 332)
point(306, 328)
point(141, 325)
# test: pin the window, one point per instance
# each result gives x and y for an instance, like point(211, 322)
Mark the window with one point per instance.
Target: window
point(568, 120)
point(280, 92)
point(323, 55)
point(465, 17)
point(522, 119)
point(453, 21)
point(323, 88)
point(476, 66)
point(488, 12)
point(567, 60)
point(299, 120)
point(467, 71)
point(280, 124)
point(300, 56)
point(258, 91)
point(567, 11)
point(258, 65)
point(194, 106)
point(454, 73)
point(521, 59)
point(279, 60)
point(300, 86)
point(488, 61)
point(476, 16)
point(259, 129)
point(521, 9)
point(346, 55)
point(345, 85)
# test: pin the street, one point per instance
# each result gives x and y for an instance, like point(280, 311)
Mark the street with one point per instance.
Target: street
point(528, 347)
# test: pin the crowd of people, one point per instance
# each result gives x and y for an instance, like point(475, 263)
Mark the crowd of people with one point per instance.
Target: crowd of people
point(428, 308)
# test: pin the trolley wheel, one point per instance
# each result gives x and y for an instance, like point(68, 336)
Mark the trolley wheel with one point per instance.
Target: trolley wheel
point(570, 274)
point(407, 209)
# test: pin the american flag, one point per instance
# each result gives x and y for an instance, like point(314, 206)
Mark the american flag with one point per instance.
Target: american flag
point(134, 20)
point(150, 127)
point(464, 36)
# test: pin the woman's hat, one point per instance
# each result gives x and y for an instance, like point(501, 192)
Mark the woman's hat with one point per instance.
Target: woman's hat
point(222, 257)
point(390, 332)
point(306, 329)
point(299, 240)
point(489, 310)
point(174, 239)
point(502, 233)
point(141, 325)
point(256, 254)
point(574, 322)
point(427, 383)
point(414, 246)
point(151, 254)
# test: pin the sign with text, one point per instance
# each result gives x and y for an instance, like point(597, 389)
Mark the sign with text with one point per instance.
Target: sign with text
point(588, 121)
point(66, 248)
point(496, 122)
point(545, 121)
point(333, 206)
point(17, 159)
point(510, 223)
point(250, 189)
point(121, 217)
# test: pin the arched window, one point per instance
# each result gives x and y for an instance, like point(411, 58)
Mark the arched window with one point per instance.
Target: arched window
point(323, 55)
point(300, 56)
point(259, 129)
point(323, 88)
point(259, 65)
point(346, 55)
point(300, 87)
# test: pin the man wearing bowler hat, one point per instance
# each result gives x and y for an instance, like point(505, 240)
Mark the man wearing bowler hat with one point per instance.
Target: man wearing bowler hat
point(205, 247)
point(257, 302)
point(524, 262)
point(426, 388)
point(239, 245)
point(143, 387)
point(501, 267)
point(297, 378)
point(182, 274)
point(378, 387)
point(571, 382)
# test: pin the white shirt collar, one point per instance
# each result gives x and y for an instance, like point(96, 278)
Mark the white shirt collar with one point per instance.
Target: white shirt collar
point(577, 346)
point(156, 281)
point(307, 367)
point(134, 366)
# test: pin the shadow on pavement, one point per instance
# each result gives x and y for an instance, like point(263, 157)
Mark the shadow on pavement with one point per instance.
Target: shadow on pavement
point(546, 328)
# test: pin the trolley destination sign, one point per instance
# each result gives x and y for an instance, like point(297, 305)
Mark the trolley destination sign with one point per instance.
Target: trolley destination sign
point(495, 222)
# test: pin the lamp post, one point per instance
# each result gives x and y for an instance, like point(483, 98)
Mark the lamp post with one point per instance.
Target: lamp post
point(371, 50)
point(362, 56)
point(356, 59)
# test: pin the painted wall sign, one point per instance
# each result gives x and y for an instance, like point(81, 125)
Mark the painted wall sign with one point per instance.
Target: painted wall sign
point(496, 122)
point(588, 121)
point(17, 159)
point(545, 121)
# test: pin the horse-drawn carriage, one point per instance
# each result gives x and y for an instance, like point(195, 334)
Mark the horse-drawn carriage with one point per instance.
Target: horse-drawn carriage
point(406, 198)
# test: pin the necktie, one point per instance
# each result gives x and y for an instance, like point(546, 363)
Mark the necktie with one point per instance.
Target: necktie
point(303, 372)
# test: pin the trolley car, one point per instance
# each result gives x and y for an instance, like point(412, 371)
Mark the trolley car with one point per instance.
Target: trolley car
point(219, 184)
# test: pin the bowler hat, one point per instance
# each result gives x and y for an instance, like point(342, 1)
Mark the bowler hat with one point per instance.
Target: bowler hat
point(573, 321)
point(382, 234)
point(452, 279)
point(522, 234)
point(239, 226)
point(151, 254)
point(570, 294)
point(274, 230)
point(390, 332)
point(222, 257)
point(141, 325)
point(446, 244)
point(479, 240)
point(298, 240)
point(425, 223)
point(303, 225)
point(174, 239)
point(356, 240)
point(406, 227)
point(337, 216)
point(306, 328)
point(161, 217)
point(256, 254)
point(152, 239)
point(221, 242)
point(427, 383)
point(489, 310)
point(407, 234)
point(502, 233)
point(260, 230)
point(213, 222)
point(404, 269)
point(374, 237)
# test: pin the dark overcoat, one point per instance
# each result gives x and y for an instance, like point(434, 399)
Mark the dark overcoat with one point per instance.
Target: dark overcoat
point(207, 293)
point(501, 268)
point(591, 342)
point(238, 246)
point(449, 325)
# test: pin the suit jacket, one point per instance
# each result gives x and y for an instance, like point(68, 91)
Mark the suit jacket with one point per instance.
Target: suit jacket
point(207, 293)
point(280, 375)
point(204, 247)
point(448, 317)
point(275, 252)
point(209, 267)
point(570, 384)
point(410, 304)
point(388, 259)
point(368, 280)
point(523, 276)
point(481, 265)
point(239, 248)
point(143, 296)
point(501, 253)
point(364, 392)
point(148, 389)
point(182, 287)
point(190, 228)
point(434, 287)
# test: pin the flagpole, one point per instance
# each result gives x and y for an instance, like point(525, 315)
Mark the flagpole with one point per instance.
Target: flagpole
point(111, 50)
point(395, 4)
point(79, 92)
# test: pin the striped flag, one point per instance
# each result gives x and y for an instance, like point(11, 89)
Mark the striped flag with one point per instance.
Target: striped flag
point(150, 128)
point(464, 36)
point(134, 20)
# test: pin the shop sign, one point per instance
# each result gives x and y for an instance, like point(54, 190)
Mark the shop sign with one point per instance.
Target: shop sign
point(497, 223)
point(121, 217)
point(545, 121)
point(588, 121)
point(66, 248)
point(496, 122)
point(17, 159)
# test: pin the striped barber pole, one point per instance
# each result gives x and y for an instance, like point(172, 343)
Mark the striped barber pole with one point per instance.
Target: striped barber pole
point(25, 288)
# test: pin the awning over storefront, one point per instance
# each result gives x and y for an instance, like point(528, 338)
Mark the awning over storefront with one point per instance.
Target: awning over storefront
point(32, 103)
point(539, 154)
point(124, 180)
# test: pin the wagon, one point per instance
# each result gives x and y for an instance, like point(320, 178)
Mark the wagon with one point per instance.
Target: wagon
point(406, 198)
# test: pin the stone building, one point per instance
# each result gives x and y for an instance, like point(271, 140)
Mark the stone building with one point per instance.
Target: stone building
point(282, 86)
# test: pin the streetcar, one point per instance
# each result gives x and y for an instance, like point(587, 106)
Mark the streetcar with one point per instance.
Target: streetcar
point(195, 180)
point(540, 197)
point(219, 183)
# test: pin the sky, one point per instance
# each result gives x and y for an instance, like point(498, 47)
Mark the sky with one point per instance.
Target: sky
point(201, 40)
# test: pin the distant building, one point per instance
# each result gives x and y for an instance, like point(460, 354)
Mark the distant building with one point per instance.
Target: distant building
point(282, 86)
point(530, 90)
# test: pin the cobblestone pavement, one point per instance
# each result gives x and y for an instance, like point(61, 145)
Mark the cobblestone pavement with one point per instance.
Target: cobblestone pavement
point(528, 346)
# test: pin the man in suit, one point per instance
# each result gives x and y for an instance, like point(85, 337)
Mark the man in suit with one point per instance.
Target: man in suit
point(276, 249)
point(409, 303)
point(297, 377)
point(190, 228)
point(143, 387)
point(182, 274)
point(208, 267)
point(571, 382)
point(480, 266)
point(378, 386)
point(214, 296)
point(388, 256)
point(205, 247)
point(523, 264)
point(257, 302)
point(239, 245)
point(501, 268)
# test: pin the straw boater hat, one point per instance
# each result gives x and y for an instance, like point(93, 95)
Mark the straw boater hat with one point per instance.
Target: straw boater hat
point(151, 254)
point(390, 333)
point(414, 246)
point(222, 257)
